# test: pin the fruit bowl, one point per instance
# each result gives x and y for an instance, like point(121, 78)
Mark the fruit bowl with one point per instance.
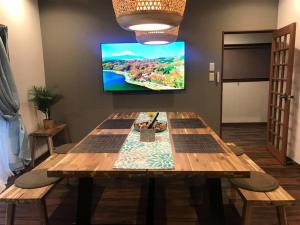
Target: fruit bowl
point(159, 126)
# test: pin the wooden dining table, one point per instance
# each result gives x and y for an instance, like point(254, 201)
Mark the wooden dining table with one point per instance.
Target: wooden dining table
point(86, 165)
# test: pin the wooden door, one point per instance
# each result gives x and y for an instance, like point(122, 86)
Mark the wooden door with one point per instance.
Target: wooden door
point(282, 60)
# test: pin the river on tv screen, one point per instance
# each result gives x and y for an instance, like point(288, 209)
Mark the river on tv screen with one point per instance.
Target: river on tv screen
point(133, 67)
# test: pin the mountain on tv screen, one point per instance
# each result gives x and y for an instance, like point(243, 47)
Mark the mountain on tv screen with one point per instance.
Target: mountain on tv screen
point(134, 67)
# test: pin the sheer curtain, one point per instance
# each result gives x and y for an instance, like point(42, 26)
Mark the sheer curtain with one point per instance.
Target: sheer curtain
point(5, 171)
point(14, 149)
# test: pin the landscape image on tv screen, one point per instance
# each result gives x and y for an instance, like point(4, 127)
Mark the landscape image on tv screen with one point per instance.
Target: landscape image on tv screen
point(134, 67)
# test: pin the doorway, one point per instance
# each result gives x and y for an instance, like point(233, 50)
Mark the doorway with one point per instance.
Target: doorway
point(246, 60)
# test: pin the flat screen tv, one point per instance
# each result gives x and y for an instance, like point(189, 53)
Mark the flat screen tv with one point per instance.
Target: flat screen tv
point(137, 67)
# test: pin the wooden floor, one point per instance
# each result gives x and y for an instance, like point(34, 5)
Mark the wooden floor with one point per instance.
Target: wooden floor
point(177, 202)
point(245, 134)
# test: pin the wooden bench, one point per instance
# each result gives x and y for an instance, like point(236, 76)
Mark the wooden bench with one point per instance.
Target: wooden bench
point(278, 198)
point(14, 195)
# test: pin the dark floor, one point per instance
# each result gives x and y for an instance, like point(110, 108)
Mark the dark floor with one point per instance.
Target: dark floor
point(245, 134)
point(177, 202)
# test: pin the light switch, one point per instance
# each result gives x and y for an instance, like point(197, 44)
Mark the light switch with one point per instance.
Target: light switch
point(211, 66)
point(211, 76)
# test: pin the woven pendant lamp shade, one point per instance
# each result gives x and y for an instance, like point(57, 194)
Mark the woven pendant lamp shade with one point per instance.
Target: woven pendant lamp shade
point(149, 15)
point(157, 37)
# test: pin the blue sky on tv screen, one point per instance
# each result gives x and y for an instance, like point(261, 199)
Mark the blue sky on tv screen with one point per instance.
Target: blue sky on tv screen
point(136, 50)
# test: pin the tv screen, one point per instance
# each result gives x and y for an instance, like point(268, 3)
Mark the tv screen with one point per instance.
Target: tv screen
point(135, 67)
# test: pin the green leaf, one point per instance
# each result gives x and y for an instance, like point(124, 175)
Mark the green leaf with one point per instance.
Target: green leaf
point(43, 99)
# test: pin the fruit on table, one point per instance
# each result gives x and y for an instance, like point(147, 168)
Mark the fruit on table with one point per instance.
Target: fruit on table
point(150, 114)
point(159, 126)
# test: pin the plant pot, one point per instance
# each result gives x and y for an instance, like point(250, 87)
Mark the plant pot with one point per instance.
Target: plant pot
point(147, 135)
point(48, 124)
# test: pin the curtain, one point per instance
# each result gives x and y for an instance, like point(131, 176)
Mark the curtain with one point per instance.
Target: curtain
point(5, 171)
point(13, 137)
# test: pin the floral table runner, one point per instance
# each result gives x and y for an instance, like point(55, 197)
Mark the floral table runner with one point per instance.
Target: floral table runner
point(146, 155)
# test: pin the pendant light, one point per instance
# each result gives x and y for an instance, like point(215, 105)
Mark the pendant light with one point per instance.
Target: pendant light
point(149, 15)
point(157, 37)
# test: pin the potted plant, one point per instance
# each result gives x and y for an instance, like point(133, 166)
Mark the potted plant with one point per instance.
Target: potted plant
point(43, 99)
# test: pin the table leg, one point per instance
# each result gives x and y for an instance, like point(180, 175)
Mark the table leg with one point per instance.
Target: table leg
point(50, 145)
point(216, 201)
point(67, 135)
point(33, 151)
point(84, 201)
point(151, 201)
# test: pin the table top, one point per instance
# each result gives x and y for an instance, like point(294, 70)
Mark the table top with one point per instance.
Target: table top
point(48, 132)
point(225, 164)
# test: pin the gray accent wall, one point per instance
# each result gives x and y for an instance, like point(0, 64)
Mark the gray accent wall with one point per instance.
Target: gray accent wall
point(72, 31)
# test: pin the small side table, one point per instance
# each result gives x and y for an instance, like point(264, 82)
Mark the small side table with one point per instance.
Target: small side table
point(47, 134)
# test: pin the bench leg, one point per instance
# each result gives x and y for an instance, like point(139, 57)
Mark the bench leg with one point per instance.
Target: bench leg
point(10, 214)
point(42, 208)
point(247, 213)
point(281, 214)
point(233, 195)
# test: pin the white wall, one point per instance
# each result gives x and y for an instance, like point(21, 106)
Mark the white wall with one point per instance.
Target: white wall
point(289, 12)
point(245, 102)
point(26, 52)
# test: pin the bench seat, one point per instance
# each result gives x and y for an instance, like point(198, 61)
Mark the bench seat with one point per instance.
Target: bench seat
point(279, 198)
point(15, 195)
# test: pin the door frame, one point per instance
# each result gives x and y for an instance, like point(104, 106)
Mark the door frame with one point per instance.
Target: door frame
point(284, 94)
point(222, 64)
